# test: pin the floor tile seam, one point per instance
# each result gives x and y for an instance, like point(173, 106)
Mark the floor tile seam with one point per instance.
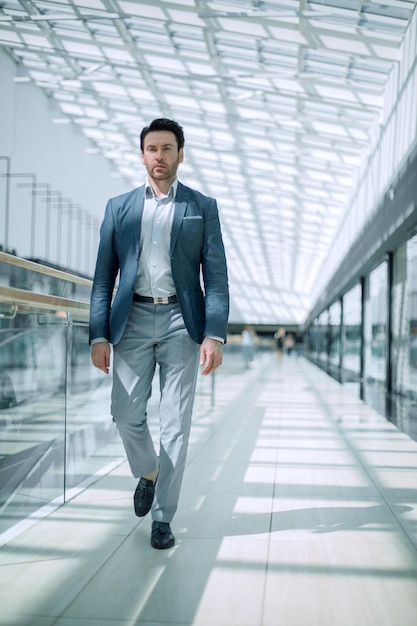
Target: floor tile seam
point(48, 509)
point(374, 498)
point(321, 540)
point(344, 572)
point(32, 617)
point(94, 575)
point(87, 582)
point(267, 564)
point(270, 540)
point(270, 537)
point(364, 466)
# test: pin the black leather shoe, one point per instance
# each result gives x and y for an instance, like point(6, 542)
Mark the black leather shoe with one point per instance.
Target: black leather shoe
point(161, 536)
point(142, 500)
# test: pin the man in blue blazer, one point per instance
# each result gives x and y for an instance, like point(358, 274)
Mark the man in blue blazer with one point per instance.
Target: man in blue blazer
point(162, 243)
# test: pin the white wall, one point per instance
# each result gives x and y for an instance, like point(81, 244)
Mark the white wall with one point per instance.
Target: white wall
point(57, 155)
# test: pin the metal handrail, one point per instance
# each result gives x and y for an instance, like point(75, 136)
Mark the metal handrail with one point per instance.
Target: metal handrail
point(44, 269)
point(24, 298)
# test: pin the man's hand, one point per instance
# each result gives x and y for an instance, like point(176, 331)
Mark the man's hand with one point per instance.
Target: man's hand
point(211, 355)
point(100, 355)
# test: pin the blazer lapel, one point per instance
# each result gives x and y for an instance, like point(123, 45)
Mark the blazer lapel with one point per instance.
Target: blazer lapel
point(137, 212)
point(179, 212)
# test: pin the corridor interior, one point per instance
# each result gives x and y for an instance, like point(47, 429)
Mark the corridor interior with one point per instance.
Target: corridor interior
point(298, 508)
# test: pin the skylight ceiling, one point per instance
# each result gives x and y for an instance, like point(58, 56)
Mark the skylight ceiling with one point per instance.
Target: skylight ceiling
point(276, 99)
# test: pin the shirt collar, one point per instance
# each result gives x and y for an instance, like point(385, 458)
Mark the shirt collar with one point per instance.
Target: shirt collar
point(172, 192)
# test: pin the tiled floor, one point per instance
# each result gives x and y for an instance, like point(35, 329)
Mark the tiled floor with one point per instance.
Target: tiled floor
point(299, 508)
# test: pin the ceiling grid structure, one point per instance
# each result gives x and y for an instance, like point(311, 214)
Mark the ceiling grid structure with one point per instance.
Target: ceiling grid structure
point(277, 100)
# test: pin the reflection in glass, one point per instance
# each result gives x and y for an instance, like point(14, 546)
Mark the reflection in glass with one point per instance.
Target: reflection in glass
point(400, 323)
point(378, 293)
point(412, 314)
point(92, 440)
point(352, 318)
point(55, 425)
point(335, 319)
point(32, 413)
point(323, 337)
point(312, 338)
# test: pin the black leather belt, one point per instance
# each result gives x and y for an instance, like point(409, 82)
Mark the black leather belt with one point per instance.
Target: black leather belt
point(149, 300)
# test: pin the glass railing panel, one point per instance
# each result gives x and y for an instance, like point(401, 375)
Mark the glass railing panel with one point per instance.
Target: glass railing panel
point(92, 439)
point(47, 443)
point(32, 412)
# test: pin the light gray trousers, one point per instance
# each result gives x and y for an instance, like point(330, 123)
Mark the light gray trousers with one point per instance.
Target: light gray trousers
point(155, 334)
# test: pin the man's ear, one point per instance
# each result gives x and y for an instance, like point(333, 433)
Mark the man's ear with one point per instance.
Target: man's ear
point(181, 155)
point(142, 157)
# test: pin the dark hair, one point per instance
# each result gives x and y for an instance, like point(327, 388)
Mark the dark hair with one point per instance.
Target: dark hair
point(162, 123)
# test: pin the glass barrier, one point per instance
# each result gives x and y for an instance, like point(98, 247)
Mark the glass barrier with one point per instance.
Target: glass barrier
point(352, 340)
point(92, 441)
point(378, 321)
point(56, 429)
point(335, 344)
point(408, 380)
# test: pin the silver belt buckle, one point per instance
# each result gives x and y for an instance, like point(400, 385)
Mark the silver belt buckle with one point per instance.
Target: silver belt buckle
point(161, 301)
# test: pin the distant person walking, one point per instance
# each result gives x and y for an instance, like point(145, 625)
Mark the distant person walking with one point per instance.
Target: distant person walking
point(248, 345)
point(279, 338)
point(289, 343)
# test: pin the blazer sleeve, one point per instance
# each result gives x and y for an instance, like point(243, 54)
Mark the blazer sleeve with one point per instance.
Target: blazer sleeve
point(107, 267)
point(214, 272)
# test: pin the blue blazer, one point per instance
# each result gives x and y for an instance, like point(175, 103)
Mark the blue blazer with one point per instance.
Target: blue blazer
point(196, 250)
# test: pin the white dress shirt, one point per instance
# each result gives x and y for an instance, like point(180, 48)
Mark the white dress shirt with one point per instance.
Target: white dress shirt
point(154, 277)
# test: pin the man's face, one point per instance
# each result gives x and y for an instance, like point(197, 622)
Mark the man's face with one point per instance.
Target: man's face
point(161, 156)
